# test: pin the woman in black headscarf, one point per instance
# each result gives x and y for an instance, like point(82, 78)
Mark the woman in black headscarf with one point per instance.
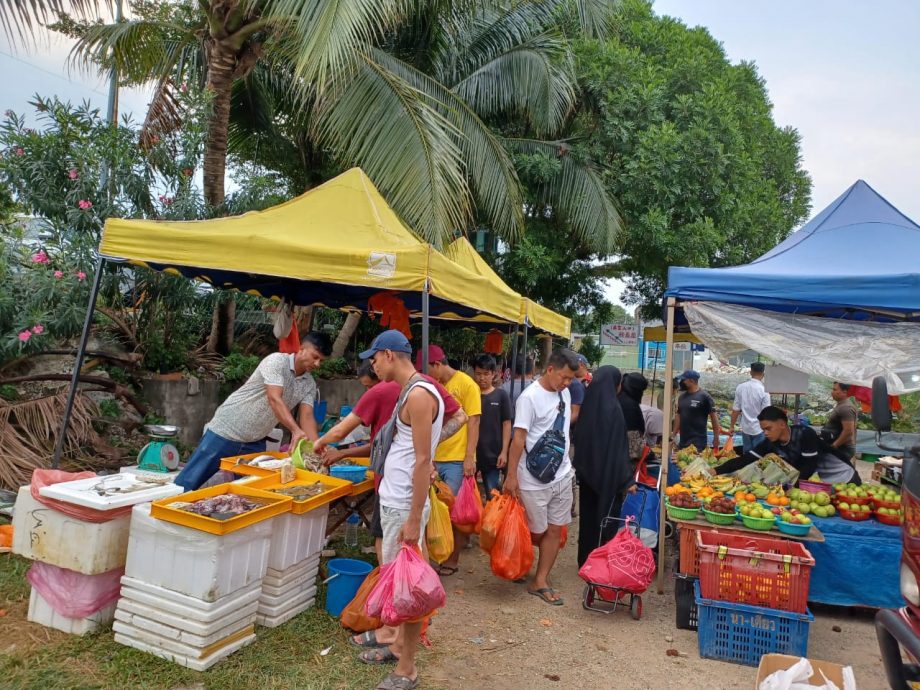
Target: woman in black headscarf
point(631, 391)
point(601, 459)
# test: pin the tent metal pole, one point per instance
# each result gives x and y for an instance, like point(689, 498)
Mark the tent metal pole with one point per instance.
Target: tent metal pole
point(524, 351)
point(78, 364)
point(665, 439)
point(425, 335)
point(514, 349)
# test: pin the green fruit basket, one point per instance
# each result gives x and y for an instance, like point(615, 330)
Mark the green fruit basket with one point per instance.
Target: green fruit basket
point(719, 518)
point(764, 524)
point(792, 528)
point(681, 513)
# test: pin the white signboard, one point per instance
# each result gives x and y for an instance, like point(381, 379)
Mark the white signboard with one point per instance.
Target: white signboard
point(619, 334)
point(682, 347)
point(780, 379)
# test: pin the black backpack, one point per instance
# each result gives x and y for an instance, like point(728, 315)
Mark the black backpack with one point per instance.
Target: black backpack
point(548, 453)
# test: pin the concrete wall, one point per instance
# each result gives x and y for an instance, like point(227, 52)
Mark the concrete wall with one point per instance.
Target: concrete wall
point(338, 392)
point(178, 404)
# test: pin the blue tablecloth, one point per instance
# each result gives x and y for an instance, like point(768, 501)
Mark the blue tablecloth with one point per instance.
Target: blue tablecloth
point(857, 565)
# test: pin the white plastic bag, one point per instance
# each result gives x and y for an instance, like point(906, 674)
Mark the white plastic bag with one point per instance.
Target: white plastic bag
point(796, 677)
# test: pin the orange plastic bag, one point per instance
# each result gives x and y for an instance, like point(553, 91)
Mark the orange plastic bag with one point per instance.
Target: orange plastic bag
point(512, 552)
point(564, 537)
point(444, 494)
point(492, 517)
point(353, 615)
point(466, 513)
point(6, 536)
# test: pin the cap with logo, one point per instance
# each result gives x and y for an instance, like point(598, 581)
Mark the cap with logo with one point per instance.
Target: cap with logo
point(388, 340)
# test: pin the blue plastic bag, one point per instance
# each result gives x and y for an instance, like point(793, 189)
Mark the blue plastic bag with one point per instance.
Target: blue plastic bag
point(642, 506)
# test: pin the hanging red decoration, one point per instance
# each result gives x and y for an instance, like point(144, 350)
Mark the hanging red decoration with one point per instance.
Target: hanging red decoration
point(392, 310)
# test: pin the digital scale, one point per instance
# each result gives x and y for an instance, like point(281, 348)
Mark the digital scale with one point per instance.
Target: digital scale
point(159, 455)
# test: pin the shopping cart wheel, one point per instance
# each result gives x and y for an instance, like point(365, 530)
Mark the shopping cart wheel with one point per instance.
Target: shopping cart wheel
point(635, 607)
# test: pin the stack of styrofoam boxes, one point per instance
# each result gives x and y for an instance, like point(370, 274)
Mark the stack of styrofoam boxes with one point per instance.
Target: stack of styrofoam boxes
point(189, 596)
point(41, 533)
point(289, 586)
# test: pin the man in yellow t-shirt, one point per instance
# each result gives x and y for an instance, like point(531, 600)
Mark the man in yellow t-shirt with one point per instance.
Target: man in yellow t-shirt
point(455, 458)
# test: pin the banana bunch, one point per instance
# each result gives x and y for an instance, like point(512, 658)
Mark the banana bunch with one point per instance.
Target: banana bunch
point(696, 482)
point(723, 484)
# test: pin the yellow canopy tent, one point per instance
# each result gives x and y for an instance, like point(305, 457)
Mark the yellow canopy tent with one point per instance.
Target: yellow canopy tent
point(336, 245)
point(463, 253)
point(658, 334)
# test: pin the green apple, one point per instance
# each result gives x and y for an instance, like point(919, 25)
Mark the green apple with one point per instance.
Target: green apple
point(843, 505)
point(785, 517)
point(822, 499)
point(821, 511)
point(804, 508)
point(804, 520)
point(865, 509)
point(813, 506)
point(831, 511)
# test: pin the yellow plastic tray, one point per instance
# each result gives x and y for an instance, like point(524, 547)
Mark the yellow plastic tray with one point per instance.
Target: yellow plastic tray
point(336, 489)
point(230, 465)
point(275, 504)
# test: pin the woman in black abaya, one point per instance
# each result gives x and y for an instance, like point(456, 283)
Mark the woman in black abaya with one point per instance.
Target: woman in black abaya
point(631, 390)
point(601, 459)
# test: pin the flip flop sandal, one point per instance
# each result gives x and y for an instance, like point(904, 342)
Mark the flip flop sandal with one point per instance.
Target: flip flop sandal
point(378, 655)
point(368, 640)
point(543, 592)
point(397, 682)
point(447, 570)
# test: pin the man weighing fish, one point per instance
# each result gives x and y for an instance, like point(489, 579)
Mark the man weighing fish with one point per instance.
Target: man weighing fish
point(240, 425)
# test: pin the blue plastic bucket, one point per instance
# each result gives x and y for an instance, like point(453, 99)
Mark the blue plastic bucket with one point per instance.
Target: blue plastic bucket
point(319, 411)
point(344, 411)
point(350, 473)
point(345, 577)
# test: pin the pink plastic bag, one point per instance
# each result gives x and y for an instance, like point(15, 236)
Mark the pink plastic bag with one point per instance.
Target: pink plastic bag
point(623, 562)
point(42, 478)
point(408, 590)
point(467, 509)
point(74, 594)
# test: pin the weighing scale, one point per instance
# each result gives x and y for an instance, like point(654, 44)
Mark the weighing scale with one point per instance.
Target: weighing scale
point(159, 455)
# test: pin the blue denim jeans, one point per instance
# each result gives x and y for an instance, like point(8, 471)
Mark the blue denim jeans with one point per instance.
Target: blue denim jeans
point(751, 441)
point(491, 479)
point(205, 461)
point(452, 474)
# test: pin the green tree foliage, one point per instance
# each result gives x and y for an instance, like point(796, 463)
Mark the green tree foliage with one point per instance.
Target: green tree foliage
point(703, 175)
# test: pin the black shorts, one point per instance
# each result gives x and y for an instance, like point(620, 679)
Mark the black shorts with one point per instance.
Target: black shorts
point(376, 527)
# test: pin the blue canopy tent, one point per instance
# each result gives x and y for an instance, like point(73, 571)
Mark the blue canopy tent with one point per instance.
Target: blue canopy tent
point(857, 260)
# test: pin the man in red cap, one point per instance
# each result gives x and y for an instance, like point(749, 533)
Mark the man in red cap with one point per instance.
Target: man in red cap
point(455, 457)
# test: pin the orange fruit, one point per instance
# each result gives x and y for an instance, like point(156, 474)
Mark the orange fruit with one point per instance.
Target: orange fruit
point(784, 500)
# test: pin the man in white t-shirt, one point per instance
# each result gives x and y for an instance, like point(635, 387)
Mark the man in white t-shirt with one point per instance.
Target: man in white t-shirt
point(548, 505)
point(750, 400)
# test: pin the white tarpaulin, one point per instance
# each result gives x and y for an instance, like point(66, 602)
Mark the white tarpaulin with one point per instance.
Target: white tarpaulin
point(849, 351)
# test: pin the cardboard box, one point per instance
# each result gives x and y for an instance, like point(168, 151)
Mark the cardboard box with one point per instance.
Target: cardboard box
point(770, 663)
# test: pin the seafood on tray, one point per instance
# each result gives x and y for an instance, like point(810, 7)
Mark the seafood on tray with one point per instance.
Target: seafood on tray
point(301, 492)
point(221, 507)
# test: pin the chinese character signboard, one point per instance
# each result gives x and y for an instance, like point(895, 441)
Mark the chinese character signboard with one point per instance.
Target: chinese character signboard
point(619, 334)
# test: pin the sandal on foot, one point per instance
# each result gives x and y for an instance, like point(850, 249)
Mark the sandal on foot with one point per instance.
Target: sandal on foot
point(544, 593)
point(368, 640)
point(447, 570)
point(395, 681)
point(378, 655)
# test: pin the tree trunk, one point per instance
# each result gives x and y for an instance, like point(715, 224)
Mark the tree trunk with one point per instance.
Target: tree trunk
point(221, 66)
point(303, 317)
point(348, 330)
point(546, 349)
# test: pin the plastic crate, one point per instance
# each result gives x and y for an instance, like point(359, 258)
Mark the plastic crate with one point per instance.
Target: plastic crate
point(689, 554)
point(742, 634)
point(759, 571)
point(685, 600)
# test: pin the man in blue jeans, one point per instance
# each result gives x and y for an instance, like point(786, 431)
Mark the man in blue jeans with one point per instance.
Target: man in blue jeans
point(494, 425)
point(280, 383)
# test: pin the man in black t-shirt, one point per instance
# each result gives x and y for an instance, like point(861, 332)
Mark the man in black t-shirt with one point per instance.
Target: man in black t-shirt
point(494, 425)
point(694, 406)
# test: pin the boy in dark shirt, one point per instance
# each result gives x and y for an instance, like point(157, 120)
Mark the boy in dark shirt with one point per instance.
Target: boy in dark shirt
point(494, 425)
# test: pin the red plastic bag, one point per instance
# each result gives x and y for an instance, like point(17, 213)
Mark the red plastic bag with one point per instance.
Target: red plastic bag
point(492, 518)
point(42, 478)
point(466, 513)
point(73, 594)
point(408, 590)
point(353, 616)
point(512, 552)
point(623, 562)
point(564, 537)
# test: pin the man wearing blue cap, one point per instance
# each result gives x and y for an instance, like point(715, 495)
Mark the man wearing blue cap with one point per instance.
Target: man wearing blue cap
point(693, 407)
point(403, 492)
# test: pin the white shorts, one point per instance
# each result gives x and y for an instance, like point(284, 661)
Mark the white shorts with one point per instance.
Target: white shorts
point(391, 521)
point(549, 506)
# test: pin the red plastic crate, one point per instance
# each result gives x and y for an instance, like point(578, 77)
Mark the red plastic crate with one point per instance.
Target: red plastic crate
point(758, 571)
point(689, 554)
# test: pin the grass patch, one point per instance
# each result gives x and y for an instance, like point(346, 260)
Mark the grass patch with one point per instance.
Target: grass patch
point(280, 659)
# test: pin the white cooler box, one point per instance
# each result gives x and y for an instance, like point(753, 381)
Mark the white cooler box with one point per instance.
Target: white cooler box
point(195, 563)
point(43, 534)
point(296, 538)
point(41, 612)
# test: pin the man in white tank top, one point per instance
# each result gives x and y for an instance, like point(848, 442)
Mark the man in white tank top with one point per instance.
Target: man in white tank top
point(403, 493)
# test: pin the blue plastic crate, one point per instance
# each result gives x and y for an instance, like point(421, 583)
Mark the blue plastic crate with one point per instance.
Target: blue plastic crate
point(742, 634)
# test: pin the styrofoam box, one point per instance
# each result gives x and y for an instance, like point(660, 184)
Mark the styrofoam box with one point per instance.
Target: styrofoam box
point(305, 580)
point(43, 534)
point(189, 561)
point(150, 625)
point(288, 603)
point(41, 612)
point(283, 578)
point(124, 485)
point(267, 601)
point(297, 537)
point(282, 618)
point(191, 658)
point(193, 609)
point(240, 617)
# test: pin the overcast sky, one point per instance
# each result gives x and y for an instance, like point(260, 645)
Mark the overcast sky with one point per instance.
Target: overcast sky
point(845, 73)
